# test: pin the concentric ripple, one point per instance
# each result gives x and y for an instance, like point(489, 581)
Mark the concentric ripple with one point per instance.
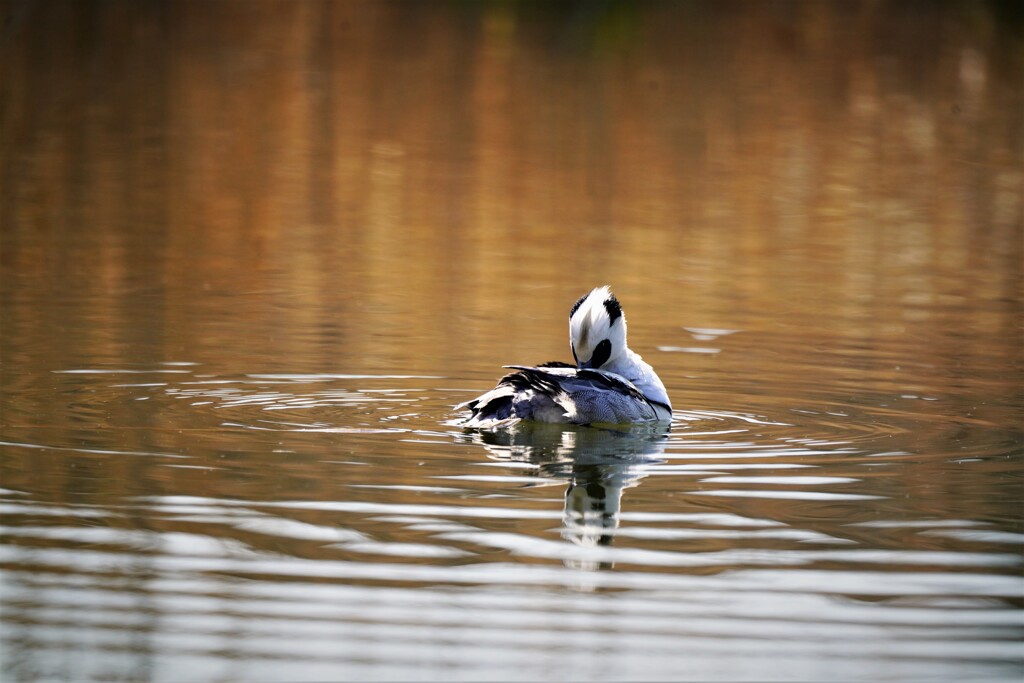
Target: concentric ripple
point(346, 520)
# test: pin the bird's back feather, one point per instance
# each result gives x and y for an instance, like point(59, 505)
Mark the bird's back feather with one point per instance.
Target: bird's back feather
point(559, 392)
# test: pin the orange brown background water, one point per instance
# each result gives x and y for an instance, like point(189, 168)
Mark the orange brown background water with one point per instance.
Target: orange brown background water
point(393, 199)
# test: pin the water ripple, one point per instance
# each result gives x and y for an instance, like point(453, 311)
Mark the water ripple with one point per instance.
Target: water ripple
point(259, 496)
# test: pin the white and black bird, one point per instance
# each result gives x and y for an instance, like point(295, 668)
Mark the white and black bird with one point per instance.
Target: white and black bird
point(610, 384)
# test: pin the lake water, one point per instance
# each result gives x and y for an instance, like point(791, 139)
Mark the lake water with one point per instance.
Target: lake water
point(253, 253)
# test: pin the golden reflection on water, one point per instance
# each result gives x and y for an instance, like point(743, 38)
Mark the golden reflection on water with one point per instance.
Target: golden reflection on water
point(231, 195)
point(383, 172)
point(395, 188)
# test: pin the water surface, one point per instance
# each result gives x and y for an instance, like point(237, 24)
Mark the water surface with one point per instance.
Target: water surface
point(253, 253)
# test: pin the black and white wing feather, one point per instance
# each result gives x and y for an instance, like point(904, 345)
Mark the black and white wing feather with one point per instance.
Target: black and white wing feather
point(558, 392)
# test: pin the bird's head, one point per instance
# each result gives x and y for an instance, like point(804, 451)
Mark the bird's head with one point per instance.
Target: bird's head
point(597, 329)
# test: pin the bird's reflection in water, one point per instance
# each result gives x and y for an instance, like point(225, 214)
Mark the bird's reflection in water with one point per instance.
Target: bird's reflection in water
point(597, 462)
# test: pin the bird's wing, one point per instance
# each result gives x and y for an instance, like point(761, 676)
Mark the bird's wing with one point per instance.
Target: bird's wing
point(571, 379)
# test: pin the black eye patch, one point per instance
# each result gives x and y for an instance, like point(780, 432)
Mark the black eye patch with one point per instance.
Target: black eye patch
point(602, 353)
point(614, 309)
